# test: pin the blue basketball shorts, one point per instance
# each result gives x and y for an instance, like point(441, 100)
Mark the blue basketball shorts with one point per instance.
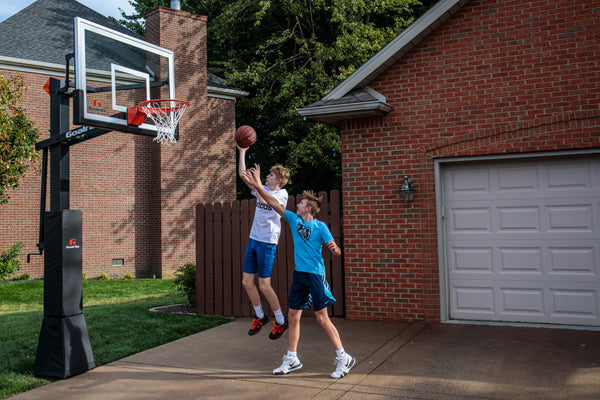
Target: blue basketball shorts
point(309, 289)
point(259, 258)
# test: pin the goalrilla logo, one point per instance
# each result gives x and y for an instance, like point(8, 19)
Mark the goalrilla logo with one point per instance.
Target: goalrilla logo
point(72, 244)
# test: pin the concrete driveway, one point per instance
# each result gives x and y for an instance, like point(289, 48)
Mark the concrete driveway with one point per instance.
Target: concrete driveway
point(394, 361)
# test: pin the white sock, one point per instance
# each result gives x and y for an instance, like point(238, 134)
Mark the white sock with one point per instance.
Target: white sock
point(279, 318)
point(292, 354)
point(260, 314)
point(340, 353)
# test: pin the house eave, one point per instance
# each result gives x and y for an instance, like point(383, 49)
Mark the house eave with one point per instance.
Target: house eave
point(36, 67)
point(335, 113)
point(224, 93)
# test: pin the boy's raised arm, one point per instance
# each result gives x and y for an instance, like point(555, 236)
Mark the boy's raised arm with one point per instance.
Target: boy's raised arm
point(252, 178)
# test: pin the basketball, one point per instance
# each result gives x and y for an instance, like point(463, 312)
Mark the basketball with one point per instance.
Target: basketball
point(245, 136)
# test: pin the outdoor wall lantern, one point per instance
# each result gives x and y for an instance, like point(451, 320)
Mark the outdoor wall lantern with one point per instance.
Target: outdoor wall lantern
point(407, 189)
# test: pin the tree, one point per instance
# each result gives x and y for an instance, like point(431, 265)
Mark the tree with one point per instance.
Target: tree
point(287, 55)
point(18, 136)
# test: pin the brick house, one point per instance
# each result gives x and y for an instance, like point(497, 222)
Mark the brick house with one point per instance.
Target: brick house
point(136, 196)
point(492, 108)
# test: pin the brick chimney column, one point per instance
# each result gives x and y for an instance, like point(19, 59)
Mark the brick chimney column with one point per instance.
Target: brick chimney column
point(181, 166)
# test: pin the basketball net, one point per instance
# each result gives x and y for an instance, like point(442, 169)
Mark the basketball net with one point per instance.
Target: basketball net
point(166, 114)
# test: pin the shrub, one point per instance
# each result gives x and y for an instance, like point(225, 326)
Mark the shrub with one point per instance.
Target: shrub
point(103, 276)
point(9, 260)
point(23, 277)
point(185, 281)
point(83, 276)
point(128, 276)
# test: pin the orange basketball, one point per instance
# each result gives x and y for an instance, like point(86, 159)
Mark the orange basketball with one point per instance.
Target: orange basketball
point(245, 136)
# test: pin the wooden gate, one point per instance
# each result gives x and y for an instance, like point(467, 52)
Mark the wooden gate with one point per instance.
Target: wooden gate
point(222, 232)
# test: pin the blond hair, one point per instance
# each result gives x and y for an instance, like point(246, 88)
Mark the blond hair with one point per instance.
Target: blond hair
point(313, 201)
point(282, 173)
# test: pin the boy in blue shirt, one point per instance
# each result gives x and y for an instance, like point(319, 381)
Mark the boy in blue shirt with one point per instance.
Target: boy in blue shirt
point(309, 284)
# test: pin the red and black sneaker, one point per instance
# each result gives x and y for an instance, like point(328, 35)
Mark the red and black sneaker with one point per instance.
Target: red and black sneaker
point(257, 323)
point(278, 329)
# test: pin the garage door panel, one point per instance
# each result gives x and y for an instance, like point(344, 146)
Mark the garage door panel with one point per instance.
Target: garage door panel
point(569, 176)
point(520, 260)
point(551, 258)
point(472, 260)
point(518, 302)
point(574, 304)
point(557, 218)
point(525, 245)
point(467, 181)
point(471, 220)
point(570, 218)
point(574, 261)
point(473, 300)
point(519, 219)
point(518, 179)
point(521, 302)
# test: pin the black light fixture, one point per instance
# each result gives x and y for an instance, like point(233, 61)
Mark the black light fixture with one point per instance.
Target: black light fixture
point(407, 190)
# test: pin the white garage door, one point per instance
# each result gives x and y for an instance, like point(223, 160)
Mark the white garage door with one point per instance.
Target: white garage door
point(523, 240)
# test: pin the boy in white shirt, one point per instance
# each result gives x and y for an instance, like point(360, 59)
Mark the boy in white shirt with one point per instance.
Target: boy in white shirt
point(261, 248)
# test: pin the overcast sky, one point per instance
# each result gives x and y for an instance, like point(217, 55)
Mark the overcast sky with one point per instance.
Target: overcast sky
point(109, 8)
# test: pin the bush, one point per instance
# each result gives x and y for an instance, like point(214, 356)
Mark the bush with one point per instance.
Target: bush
point(103, 277)
point(23, 277)
point(128, 276)
point(185, 281)
point(9, 260)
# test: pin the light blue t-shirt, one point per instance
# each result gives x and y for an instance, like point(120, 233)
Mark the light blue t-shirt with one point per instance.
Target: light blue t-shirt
point(308, 243)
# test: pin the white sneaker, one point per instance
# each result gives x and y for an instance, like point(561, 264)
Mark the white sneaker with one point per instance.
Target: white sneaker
point(343, 365)
point(289, 364)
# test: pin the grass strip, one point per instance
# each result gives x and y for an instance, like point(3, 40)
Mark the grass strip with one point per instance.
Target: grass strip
point(118, 319)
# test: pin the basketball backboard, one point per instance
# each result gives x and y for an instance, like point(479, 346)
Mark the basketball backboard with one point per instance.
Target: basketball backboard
point(115, 71)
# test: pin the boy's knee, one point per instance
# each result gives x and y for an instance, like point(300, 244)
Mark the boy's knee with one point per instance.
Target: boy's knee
point(322, 318)
point(247, 283)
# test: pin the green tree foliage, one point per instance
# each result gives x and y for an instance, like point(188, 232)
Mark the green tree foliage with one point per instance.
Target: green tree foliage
point(17, 135)
point(287, 55)
point(9, 260)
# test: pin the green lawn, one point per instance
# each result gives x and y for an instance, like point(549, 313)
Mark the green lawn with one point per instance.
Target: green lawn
point(118, 319)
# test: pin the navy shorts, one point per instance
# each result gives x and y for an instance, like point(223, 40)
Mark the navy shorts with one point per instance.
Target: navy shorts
point(259, 258)
point(309, 289)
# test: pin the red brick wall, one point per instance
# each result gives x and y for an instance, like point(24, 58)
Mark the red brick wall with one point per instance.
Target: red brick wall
point(20, 216)
point(499, 77)
point(138, 197)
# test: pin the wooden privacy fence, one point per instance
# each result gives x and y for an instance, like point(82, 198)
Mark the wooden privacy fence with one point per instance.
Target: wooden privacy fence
point(222, 232)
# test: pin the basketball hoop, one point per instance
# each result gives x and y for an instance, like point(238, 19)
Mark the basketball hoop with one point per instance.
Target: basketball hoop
point(166, 114)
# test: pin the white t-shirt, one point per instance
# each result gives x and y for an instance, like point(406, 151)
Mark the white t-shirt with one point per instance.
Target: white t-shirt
point(266, 226)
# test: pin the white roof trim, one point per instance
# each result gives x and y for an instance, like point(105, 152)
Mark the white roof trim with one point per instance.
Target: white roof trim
point(344, 108)
point(224, 93)
point(405, 41)
point(38, 67)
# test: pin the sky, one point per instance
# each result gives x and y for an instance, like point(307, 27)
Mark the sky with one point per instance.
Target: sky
point(109, 8)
